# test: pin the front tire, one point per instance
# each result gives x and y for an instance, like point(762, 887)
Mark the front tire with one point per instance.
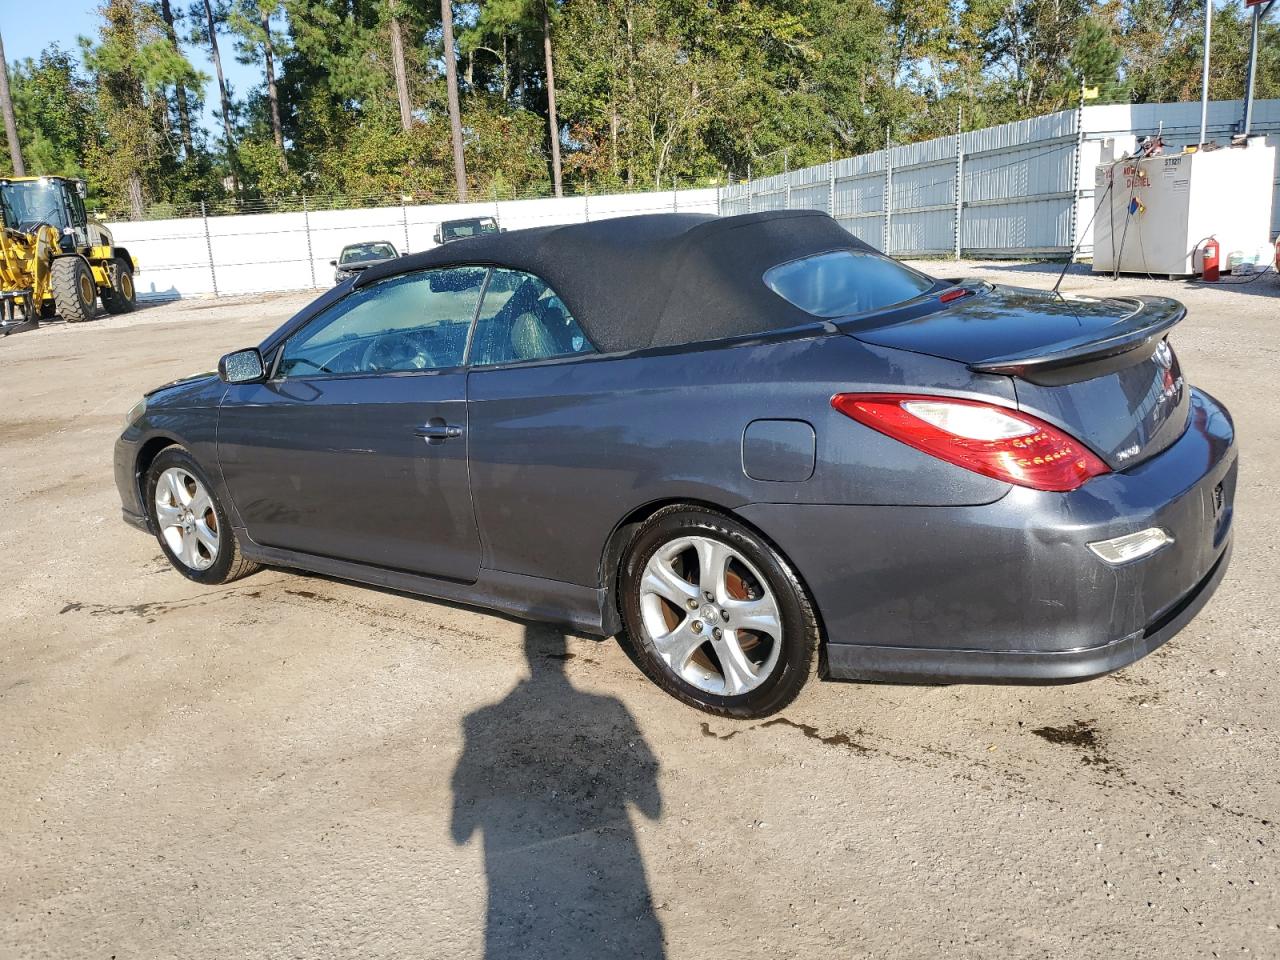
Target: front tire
point(191, 525)
point(714, 615)
point(122, 298)
point(74, 291)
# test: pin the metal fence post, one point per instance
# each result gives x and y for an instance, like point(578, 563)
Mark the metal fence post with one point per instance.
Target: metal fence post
point(586, 208)
point(959, 189)
point(208, 245)
point(831, 188)
point(306, 223)
point(675, 194)
point(404, 219)
point(888, 192)
point(1077, 158)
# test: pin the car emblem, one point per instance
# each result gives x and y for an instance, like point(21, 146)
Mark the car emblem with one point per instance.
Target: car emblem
point(1219, 499)
point(1164, 354)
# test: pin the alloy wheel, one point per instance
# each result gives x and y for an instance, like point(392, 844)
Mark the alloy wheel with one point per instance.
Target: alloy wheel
point(187, 519)
point(711, 616)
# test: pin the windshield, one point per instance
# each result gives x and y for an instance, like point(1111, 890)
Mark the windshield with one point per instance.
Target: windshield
point(470, 228)
point(361, 252)
point(845, 282)
point(32, 202)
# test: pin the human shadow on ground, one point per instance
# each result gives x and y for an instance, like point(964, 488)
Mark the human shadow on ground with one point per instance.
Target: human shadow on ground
point(547, 776)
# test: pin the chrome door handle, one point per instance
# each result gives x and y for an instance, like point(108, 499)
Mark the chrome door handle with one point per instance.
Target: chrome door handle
point(438, 432)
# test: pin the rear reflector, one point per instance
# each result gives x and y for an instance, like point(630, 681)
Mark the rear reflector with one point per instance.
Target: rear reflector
point(1132, 546)
point(955, 293)
point(983, 437)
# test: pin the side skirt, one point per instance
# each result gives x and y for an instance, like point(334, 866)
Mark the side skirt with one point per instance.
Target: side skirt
point(530, 598)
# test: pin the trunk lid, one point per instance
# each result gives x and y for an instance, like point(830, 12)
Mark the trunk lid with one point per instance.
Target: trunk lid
point(1099, 368)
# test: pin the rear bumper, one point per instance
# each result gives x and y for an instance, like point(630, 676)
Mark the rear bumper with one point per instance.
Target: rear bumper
point(1009, 592)
point(848, 661)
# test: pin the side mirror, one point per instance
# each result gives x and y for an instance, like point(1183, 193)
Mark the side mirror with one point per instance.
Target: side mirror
point(436, 237)
point(82, 189)
point(333, 263)
point(242, 366)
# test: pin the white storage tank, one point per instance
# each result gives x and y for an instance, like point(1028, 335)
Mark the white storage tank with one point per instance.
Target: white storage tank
point(1153, 215)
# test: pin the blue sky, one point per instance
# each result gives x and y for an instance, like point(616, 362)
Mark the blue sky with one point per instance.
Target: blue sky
point(28, 27)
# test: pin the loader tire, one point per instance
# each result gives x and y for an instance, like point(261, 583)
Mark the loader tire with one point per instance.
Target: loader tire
point(74, 291)
point(122, 297)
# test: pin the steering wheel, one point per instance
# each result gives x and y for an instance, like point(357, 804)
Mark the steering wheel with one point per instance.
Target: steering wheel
point(397, 351)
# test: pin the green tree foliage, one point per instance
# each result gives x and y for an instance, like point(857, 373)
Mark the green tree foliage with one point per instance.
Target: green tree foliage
point(650, 93)
point(132, 66)
point(54, 102)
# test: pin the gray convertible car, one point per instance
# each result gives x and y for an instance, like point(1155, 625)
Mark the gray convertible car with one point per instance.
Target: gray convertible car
point(752, 447)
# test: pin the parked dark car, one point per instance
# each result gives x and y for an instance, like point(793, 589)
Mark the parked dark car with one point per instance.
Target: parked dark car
point(451, 230)
point(738, 442)
point(361, 256)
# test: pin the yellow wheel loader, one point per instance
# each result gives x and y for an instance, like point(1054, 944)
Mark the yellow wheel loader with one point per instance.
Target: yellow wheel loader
point(54, 259)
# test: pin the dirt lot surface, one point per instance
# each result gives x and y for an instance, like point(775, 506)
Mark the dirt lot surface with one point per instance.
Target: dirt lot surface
point(297, 767)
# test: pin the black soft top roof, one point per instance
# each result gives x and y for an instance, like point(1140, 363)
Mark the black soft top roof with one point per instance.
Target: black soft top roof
point(654, 280)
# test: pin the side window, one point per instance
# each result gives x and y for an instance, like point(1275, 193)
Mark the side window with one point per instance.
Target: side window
point(417, 321)
point(523, 319)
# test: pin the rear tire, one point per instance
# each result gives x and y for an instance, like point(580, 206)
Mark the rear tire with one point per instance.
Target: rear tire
point(714, 615)
point(74, 291)
point(192, 527)
point(122, 298)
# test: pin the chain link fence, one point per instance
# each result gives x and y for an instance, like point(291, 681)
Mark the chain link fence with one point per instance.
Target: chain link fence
point(1021, 189)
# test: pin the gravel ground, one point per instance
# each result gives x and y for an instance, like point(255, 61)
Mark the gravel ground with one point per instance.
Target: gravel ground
point(297, 767)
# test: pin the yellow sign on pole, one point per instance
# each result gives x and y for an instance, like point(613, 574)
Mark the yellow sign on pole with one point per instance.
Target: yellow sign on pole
point(1090, 93)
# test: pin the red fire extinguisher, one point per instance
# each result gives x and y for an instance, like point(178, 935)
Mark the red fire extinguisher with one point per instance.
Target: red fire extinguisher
point(1209, 261)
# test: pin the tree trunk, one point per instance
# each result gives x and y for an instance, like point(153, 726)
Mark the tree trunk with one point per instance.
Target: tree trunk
point(273, 95)
point(179, 90)
point(402, 77)
point(225, 100)
point(10, 121)
point(455, 116)
point(631, 93)
point(506, 70)
point(552, 124)
point(137, 208)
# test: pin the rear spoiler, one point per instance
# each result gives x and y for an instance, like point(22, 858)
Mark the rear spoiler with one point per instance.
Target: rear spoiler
point(1137, 332)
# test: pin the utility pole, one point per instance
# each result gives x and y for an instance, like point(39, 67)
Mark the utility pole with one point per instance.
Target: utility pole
point(455, 116)
point(10, 121)
point(552, 120)
point(1259, 11)
point(1204, 74)
point(397, 63)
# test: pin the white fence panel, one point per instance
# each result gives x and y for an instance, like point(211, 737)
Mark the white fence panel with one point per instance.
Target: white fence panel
point(179, 245)
point(257, 253)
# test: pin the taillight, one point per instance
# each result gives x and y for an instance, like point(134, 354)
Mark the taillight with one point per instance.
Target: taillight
point(988, 439)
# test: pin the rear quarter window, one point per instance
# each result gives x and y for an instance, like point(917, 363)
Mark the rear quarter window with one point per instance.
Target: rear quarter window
point(845, 282)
